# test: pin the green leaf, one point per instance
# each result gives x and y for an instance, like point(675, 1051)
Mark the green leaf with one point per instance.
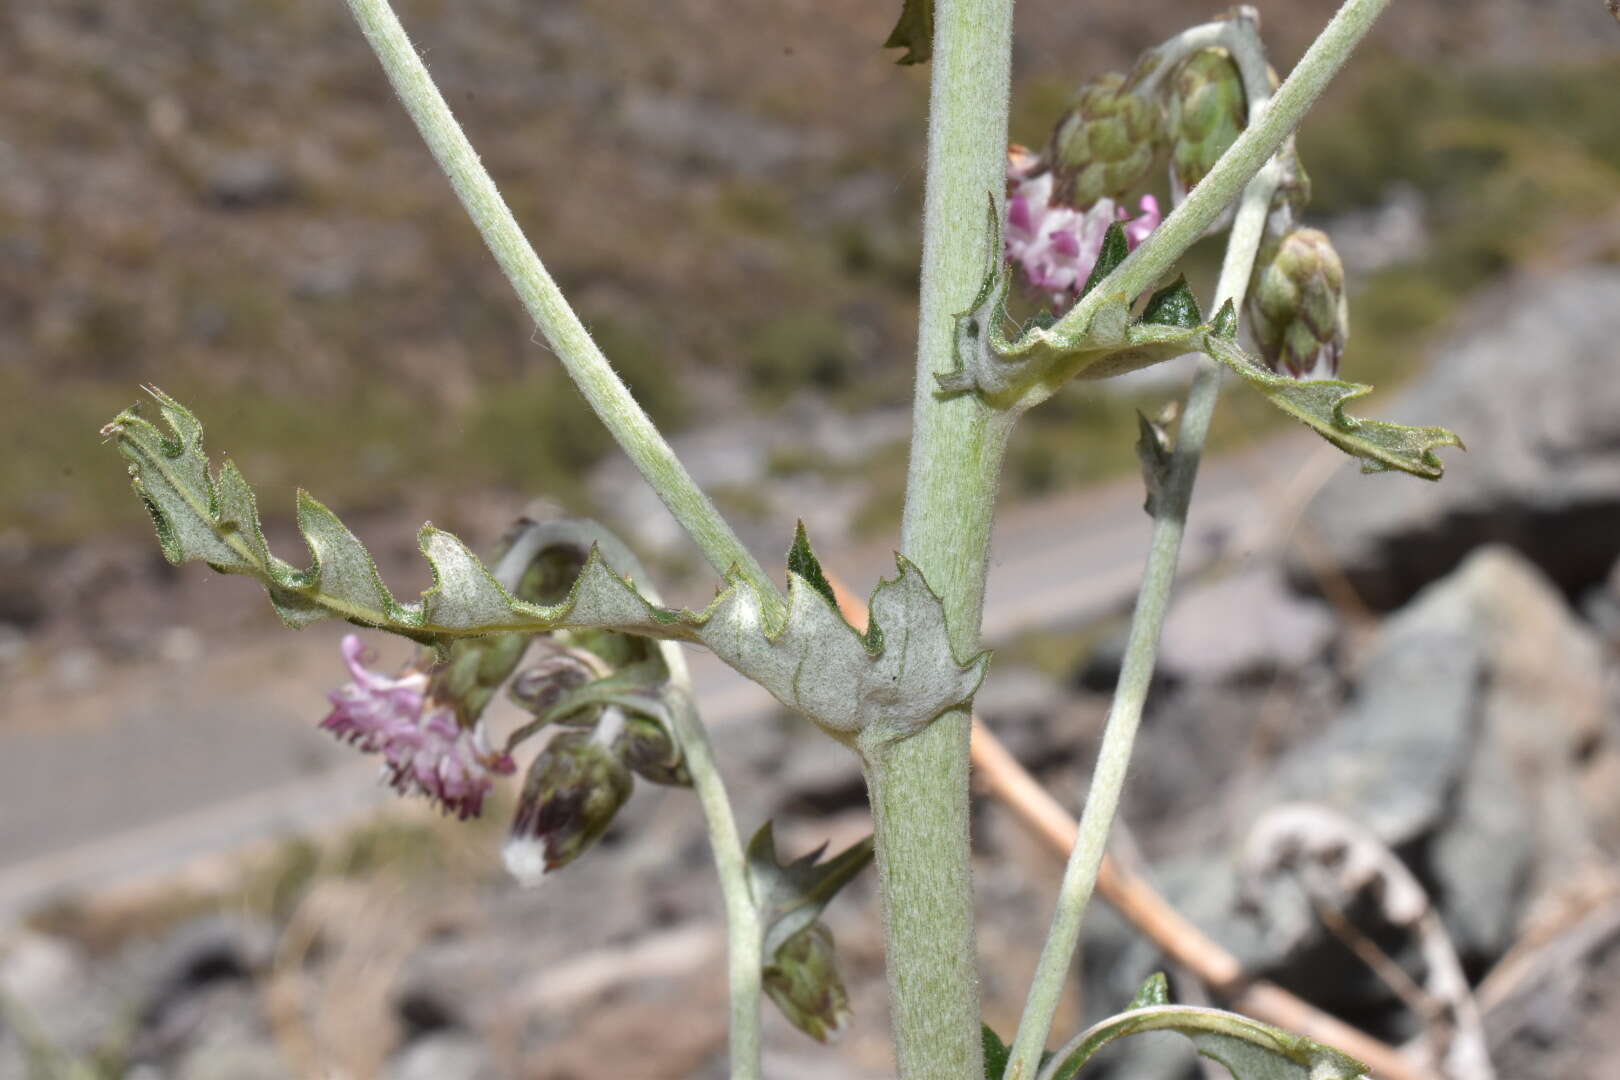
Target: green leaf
point(1249, 1050)
point(1114, 249)
point(812, 660)
point(1320, 403)
point(996, 1053)
point(914, 32)
point(802, 561)
point(1018, 374)
point(1173, 305)
point(792, 895)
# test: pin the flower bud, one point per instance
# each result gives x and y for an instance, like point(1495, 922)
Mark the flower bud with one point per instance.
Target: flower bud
point(802, 978)
point(541, 685)
point(573, 789)
point(1297, 309)
point(1104, 145)
point(1206, 115)
point(646, 747)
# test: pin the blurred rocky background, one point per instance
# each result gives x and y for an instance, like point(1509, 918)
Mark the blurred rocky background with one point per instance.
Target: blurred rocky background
point(227, 202)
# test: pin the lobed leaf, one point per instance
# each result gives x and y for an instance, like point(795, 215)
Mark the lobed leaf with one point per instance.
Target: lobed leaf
point(889, 682)
point(1319, 403)
point(792, 895)
point(1017, 374)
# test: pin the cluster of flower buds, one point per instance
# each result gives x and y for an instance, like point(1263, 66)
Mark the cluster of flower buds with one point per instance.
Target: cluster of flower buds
point(616, 729)
point(609, 705)
point(1061, 203)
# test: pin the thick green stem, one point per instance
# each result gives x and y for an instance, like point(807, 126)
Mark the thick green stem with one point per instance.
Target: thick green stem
point(1324, 59)
point(558, 324)
point(919, 785)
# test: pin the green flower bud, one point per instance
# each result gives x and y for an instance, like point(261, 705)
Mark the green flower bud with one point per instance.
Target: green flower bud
point(573, 789)
point(802, 978)
point(1206, 115)
point(1297, 309)
point(646, 747)
point(1104, 145)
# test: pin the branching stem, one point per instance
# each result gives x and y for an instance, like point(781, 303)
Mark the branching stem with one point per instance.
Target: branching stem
point(559, 325)
point(1270, 123)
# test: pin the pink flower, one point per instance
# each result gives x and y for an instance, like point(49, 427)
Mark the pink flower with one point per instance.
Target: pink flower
point(1057, 246)
point(424, 748)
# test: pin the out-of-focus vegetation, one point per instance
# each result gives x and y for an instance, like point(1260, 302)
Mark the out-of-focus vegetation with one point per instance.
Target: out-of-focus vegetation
point(237, 211)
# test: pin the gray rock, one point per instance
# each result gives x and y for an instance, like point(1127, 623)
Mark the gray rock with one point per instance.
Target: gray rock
point(1244, 624)
point(1397, 754)
point(221, 1034)
point(443, 1057)
point(1530, 385)
point(50, 985)
point(1539, 781)
point(247, 181)
point(1478, 741)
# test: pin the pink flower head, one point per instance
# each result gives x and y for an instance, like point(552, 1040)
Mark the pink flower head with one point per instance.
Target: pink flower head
point(1057, 246)
point(424, 747)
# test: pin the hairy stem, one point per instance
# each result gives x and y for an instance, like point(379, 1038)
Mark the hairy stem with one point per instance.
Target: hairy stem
point(1153, 598)
point(919, 785)
point(559, 325)
point(745, 934)
point(1136, 673)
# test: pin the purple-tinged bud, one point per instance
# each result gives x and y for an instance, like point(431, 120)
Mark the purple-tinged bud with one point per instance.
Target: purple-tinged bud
point(646, 747)
point(541, 685)
point(1297, 308)
point(802, 978)
point(425, 748)
point(573, 790)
